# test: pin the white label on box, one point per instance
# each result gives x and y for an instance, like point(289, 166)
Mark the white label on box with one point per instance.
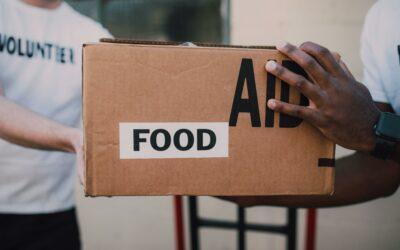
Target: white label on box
point(149, 140)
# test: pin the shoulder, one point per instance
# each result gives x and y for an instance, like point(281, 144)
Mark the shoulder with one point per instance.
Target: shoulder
point(383, 9)
point(89, 28)
point(6, 4)
point(382, 18)
point(388, 4)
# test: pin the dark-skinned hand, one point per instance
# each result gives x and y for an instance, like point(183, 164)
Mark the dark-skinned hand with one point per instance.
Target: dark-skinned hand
point(340, 107)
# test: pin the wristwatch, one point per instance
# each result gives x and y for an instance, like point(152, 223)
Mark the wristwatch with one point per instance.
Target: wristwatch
point(387, 131)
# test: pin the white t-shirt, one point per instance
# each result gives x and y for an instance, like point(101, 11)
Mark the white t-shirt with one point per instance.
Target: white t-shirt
point(40, 69)
point(380, 52)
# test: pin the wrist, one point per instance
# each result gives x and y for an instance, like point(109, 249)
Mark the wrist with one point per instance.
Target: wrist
point(370, 145)
point(71, 139)
point(370, 141)
point(387, 137)
point(396, 156)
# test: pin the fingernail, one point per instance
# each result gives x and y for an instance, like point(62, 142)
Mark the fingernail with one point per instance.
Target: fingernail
point(336, 56)
point(271, 104)
point(281, 44)
point(271, 65)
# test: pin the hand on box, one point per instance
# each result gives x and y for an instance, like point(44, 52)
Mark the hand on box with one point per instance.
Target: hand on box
point(77, 144)
point(340, 107)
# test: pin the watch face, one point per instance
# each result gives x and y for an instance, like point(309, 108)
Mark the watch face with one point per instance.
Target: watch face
point(389, 126)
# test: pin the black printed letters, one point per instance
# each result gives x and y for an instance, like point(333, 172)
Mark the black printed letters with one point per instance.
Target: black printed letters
point(250, 104)
point(161, 139)
point(33, 49)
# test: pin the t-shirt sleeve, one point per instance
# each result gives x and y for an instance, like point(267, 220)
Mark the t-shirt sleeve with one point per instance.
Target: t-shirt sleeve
point(94, 32)
point(369, 50)
point(1, 29)
point(104, 33)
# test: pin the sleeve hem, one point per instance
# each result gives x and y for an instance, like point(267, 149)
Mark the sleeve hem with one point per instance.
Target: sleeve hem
point(379, 96)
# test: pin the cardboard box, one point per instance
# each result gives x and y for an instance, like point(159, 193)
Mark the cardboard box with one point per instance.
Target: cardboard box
point(162, 119)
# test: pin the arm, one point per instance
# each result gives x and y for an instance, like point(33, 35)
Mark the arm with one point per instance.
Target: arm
point(343, 110)
point(26, 128)
point(359, 178)
point(396, 156)
point(23, 127)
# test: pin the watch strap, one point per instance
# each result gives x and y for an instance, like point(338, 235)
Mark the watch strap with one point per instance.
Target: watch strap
point(383, 148)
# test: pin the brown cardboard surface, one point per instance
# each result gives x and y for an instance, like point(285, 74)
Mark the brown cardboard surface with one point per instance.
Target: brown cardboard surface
point(168, 83)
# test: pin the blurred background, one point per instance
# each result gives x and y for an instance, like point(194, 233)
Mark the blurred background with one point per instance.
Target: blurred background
point(148, 222)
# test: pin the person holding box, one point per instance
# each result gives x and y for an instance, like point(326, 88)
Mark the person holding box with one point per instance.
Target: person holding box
point(344, 111)
point(40, 112)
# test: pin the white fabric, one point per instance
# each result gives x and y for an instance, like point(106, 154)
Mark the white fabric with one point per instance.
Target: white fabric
point(40, 69)
point(380, 50)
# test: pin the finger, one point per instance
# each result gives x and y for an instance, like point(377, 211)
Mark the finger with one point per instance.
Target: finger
point(336, 55)
point(323, 56)
point(81, 167)
point(307, 62)
point(307, 88)
point(81, 175)
point(81, 179)
point(302, 112)
point(342, 64)
point(346, 69)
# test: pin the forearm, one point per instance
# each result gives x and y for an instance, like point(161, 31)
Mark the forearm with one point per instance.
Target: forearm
point(396, 156)
point(23, 127)
point(359, 178)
